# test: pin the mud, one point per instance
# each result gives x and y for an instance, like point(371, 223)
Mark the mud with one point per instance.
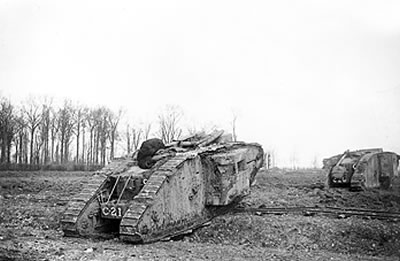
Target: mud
point(31, 204)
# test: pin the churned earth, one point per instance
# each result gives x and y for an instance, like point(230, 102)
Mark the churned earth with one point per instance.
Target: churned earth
point(31, 204)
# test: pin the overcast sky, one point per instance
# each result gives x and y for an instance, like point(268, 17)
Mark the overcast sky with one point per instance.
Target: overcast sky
point(305, 78)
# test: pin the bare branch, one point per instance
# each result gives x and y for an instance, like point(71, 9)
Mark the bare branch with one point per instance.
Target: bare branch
point(168, 124)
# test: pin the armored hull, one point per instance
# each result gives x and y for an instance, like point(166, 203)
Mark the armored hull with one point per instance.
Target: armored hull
point(179, 193)
point(367, 168)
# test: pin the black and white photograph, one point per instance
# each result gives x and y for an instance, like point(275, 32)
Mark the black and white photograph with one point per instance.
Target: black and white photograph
point(199, 130)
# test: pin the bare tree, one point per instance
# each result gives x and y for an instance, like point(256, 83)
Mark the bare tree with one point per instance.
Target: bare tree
point(45, 127)
point(103, 128)
point(20, 139)
point(272, 155)
point(85, 111)
point(293, 159)
point(133, 138)
point(234, 135)
point(146, 131)
point(98, 119)
point(99, 131)
point(66, 125)
point(168, 124)
point(53, 136)
point(33, 117)
point(192, 130)
point(8, 129)
point(97, 125)
point(315, 162)
point(136, 138)
point(128, 140)
point(79, 128)
point(91, 123)
point(113, 120)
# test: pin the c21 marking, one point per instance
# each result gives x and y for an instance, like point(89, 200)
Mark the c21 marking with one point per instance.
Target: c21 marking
point(112, 211)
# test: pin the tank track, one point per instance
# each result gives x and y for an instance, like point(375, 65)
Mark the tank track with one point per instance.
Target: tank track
point(130, 222)
point(78, 203)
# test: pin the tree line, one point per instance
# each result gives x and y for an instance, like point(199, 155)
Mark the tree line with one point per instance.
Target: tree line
point(41, 133)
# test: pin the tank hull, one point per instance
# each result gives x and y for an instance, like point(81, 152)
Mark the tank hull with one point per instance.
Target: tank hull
point(177, 195)
point(362, 169)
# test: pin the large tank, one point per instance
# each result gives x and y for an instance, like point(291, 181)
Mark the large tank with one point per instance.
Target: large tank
point(186, 184)
point(367, 168)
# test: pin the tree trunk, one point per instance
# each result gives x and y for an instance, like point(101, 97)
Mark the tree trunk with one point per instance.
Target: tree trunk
point(66, 150)
point(112, 145)
point(46, 147)
point(62, 148)
point(16, 150)
point(3, 145)
point(58, 152)
point(21, 143)
point(31, 147)
point(91, 147)
point(26, 140)
point(8, 146)
point(83, 145)
point(52, 146)
point(9, 153)
point(128, 141)
point(97, 147)
point(77, 141)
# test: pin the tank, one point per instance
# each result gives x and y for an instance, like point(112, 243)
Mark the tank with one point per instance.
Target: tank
point(361, 169)
point(178, 188)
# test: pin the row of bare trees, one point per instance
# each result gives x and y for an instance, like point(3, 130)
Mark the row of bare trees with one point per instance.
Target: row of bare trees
point(41, 133)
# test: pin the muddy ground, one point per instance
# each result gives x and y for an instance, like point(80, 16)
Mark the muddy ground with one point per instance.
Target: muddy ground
point(31, 204)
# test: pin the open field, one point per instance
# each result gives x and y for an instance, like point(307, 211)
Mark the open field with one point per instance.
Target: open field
point(31, 204)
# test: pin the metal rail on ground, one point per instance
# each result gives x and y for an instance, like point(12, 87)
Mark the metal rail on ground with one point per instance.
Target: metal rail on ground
point(338, 211)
